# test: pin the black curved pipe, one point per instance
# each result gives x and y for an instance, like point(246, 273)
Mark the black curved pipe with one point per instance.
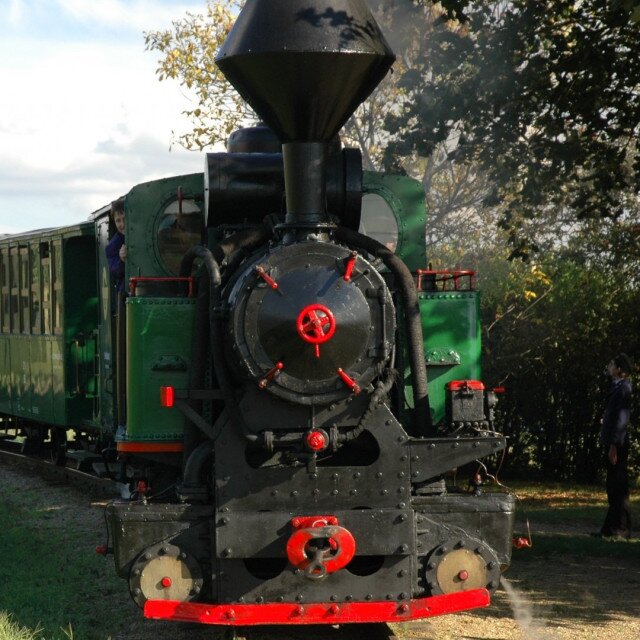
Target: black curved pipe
point(192, 475)
point(222, 376)
point(421, 411)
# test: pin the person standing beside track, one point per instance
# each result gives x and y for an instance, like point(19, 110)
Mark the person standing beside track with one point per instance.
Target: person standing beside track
point(615, 440)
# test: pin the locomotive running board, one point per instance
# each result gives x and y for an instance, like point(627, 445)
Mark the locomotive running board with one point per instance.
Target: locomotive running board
point(315, 613)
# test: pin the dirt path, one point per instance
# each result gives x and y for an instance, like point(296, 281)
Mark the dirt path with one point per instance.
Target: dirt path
point(569, 597)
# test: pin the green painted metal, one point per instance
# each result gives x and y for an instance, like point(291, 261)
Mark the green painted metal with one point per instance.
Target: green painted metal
point(144, 208)
point(159, 332)
point(450, 319)
point(452, 344)
point(37, 364)
point(5, 374)
point(41, 379)
point(405, 196)
point(20, 375)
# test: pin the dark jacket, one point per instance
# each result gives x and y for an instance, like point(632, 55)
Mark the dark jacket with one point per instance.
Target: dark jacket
point(116, 266)
point(616, 413)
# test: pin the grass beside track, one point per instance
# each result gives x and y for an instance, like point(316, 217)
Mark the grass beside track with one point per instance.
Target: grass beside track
point(574, 507)
point(52, 584)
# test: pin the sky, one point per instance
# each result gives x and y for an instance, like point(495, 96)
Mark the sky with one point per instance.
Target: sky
point(83, 117)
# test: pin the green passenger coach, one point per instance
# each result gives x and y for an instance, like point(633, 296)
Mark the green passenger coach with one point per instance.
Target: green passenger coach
point(49, 326)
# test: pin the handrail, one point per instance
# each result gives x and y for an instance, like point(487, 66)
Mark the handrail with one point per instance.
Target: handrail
point(459, 278)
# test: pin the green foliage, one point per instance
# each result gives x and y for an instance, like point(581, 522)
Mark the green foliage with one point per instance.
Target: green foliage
point(10, 630)
point(550, 327)
point(188, 51)
point(54, 587)
point(541, 95)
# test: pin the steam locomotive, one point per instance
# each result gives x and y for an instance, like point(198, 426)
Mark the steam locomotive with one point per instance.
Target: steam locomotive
point(285, 385)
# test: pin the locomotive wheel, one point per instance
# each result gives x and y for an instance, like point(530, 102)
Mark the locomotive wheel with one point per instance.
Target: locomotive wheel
point(462, 564)
point(165, 572)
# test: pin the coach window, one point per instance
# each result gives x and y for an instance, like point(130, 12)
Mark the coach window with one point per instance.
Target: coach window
point(56, 294)
point(378, 220)
point(45, 270)
point(25, 276)
point(4, 291)
point(36, 314)
point(13, 286)
point(180, 227)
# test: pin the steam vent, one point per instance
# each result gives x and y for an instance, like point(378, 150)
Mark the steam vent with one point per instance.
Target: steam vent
point(305, 65)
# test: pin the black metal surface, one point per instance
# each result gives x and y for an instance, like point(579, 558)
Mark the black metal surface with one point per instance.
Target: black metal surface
point(305, 65)
point(378, 532)
point(135, 526)
point(465, 406)
point(488, 517)
point(431, 457)
point(258, 139)
point(382, 483)
point(305, 178)
point(263, 322)
point(242, 188)
point(391, 581)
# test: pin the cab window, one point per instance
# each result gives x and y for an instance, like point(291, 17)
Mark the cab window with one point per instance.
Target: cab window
point(180, 227)
point(378, 220)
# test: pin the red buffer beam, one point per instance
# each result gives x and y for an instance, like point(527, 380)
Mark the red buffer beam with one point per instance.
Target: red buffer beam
point(315, 613)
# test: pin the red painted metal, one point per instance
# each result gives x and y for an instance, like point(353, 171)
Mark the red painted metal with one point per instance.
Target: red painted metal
point(521, 542)
point(442, 278)
point(499, 390)
point(315, 613)
point(102, 550)
point(350, 266)
point(149, 447)
point(340, 552)
point(166, 582)
point(133, 283)
point(167, 396)
point(316, 325)
point(350, 382)
point(266, 277)
point(271, 374)
point(307, 522)
point(458, 385)
point(316, 440)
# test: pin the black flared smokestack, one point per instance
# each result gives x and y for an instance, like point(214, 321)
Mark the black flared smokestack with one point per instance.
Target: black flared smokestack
point(305, 66)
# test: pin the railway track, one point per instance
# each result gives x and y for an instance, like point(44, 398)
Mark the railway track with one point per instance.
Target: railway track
point(63, 475)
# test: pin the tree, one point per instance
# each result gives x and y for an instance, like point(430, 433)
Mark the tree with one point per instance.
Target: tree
point(189, 49)
point(543, 97)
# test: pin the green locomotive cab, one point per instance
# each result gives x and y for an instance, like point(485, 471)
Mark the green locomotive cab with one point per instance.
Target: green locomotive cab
point(165, 218)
